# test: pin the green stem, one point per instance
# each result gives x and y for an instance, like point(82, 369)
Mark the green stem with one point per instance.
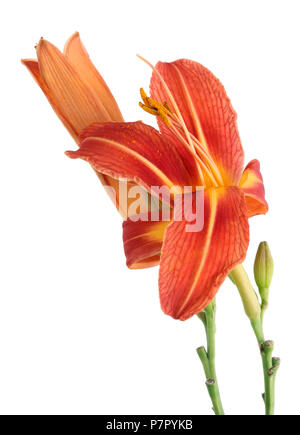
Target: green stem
point(255, 312)
point(208, 357)
point(264, 293)
point(270, 366)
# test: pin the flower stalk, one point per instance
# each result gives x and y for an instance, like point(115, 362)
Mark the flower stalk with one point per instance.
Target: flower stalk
point(207, 357)
point(270, 367)
point(255, 313)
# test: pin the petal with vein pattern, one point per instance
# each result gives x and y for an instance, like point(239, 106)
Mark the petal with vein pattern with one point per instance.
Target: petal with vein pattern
point(194, 265)
point(72, 96)
point(79, 58)
point(33, 67)
point(78, 55)
point(206, 110)
point(137, 152)
point(143, 241)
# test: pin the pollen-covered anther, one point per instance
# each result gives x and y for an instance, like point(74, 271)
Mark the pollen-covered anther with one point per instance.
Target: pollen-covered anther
point(155, 108)
point(148, 109)
point(144, 96)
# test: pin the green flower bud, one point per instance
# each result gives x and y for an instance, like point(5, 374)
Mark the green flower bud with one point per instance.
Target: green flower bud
point(263, 269)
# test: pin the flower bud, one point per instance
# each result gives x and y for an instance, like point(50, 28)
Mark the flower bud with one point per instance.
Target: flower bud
point(263, 268)
point(247, 293)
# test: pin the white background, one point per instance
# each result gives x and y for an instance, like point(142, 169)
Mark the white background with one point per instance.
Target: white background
point(80, 333)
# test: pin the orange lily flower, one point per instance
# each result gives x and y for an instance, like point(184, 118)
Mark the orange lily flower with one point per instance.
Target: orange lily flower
point(198, 145)
point(76, 91)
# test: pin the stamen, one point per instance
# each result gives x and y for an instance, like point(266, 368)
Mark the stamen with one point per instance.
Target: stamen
point(176, 123)
point(200, 163)
point(163, 111)
point(158, 106)
point(148, 109)
point(204, 155)
point(144, 97)
point(177, 111)
point(154, 108)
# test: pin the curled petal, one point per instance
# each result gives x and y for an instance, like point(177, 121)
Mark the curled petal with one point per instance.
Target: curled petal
point(137, 152)
point(143, 239)
point(253, 186)
point(33, 67)
point(80, 60)
point(206, 110)
point(72, 96)
point(194, 264)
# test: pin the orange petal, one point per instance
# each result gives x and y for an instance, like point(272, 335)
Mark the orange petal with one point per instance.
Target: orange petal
point(253, 186)
point(194, 265)
point(137, 152)
point(80, 60)
point(206, 110)
point(143, 241)
point(33, 67)
point(72, 96)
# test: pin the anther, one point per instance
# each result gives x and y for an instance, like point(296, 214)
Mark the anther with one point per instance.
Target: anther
point(144, 96)
point(154, 107)
point(148, 109)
